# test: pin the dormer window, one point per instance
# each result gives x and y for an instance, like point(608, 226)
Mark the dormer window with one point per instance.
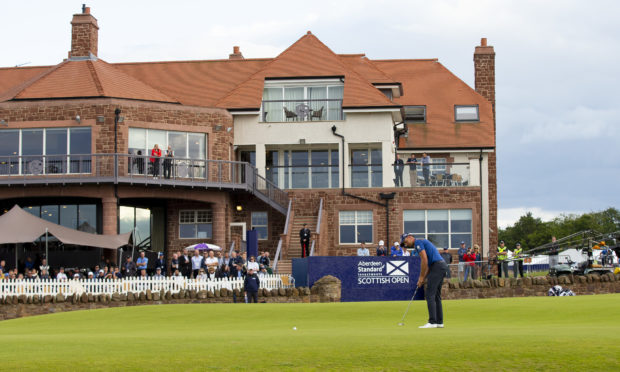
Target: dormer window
point(415, 114)
point(285, 101)
point(466, 113)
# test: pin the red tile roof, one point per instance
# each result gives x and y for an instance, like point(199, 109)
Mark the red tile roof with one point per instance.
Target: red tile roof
point(237, 84)
point(88, 78)
point(429, 83)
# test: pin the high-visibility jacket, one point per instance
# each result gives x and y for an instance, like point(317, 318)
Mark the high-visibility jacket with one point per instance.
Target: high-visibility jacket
point(517, 254)
point(500, 250)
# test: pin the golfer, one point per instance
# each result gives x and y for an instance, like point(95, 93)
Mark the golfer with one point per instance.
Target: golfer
point(432, 271)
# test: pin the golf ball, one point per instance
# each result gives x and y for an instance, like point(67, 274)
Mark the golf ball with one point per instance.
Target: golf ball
point(294, 328)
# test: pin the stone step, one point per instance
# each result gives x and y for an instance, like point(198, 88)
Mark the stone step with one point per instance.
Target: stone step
point(285, 267)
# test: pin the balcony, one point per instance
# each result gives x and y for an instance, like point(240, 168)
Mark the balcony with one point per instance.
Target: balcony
point(134, 169)
point(274, 111)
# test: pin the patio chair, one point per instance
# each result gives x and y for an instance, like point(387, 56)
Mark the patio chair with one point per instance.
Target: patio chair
point(289, 114)
point(317, 114)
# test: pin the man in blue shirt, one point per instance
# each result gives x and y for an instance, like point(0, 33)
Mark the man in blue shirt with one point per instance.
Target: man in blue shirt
point(433, 270)
point(396, 251)
point(142, 262)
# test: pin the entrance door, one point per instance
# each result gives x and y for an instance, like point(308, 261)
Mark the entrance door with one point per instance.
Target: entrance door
point(237, 235)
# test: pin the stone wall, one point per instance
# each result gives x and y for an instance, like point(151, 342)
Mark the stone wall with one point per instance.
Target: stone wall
point(535, 286)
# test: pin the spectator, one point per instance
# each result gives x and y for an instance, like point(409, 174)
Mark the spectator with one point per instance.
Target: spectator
point(91, 275)
point(396, 251)
point(3, 266)
point(363, 251)
point(61, 276)
point(381, 250)
point(96, 271)
point(405, 251)
point(158, 273)
point(76, 276)
point(197, 262)
point(413, 173)
point(225, 259)
point(154, 159)
point(448, 258)
point(139, 162)
point(185, 264)
point(174, 262)
point(211, 260)
point(233, 263)
point(502, 261)
point(130, 268)
point(101, 275)
point(426, 169)
point(117, 273)
point(399, 166)
point(143, 273)
point(252, 264)
point(470, 258)
point(177, 274)
point(161, 263)
point(304, 239)
point(201, 275)
point(213, 273)
point(553, 253)
point(29, 264)
point(44, 266)
point(169, 154)
point(478, 260)
point(142, 262)
point(251, 285)
point(517, 257)
point(220, 259)
point(461, 253)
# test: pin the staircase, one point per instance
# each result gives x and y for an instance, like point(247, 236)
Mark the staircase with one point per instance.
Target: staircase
point(294, 249)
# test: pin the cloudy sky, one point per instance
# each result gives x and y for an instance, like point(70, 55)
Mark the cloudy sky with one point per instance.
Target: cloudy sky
point(558, 113)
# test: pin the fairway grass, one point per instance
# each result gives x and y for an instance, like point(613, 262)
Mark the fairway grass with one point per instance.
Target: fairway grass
point(535, 333)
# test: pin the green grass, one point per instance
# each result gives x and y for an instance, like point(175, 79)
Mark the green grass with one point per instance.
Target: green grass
point(539, 333)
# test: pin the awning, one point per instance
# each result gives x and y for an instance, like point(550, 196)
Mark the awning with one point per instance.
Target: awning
point(19, 226)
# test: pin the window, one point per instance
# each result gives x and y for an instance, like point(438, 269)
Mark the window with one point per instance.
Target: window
point(466, 113)
point(300, 169)
point(366, 167)
point(45, 150)
point(259, 222)
point(184, 144)
point(388, 92)
point(415, 114)
point(355, 227)
point(302, 102)
point(81, 217)
point(439, 166)
point(137, 221)
point(443, 227)
point(196, 224)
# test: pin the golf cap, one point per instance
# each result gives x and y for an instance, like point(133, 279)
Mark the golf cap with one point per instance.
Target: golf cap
point(76, 275)
point(100, 271)
point(396, 244)
point(381, 242)
point(90, 273)
point(462, 242)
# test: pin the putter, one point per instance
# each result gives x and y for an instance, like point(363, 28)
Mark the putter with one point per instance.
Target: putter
point(402, 321)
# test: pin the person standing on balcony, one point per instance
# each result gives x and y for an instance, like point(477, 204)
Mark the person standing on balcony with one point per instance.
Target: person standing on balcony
point(413, 172)
point(399, 167)
point(426, 169)
point(169, 154)
point(304, 237)
point(155, 155)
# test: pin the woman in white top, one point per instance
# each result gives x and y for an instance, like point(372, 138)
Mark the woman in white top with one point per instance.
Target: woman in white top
point(202, 275)
point(406, 252)
point(252, 264)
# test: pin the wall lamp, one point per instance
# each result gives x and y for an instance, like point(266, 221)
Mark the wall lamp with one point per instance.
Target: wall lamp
point(4, 123)
point(239, 208)
point(78, 119)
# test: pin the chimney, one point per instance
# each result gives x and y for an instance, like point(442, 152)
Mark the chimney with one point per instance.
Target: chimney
point(84, 34)
point(236, 54)
point(484, 65)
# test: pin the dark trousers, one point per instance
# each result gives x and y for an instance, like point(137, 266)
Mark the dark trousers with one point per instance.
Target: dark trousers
point(167, 167)
point(437, 271)
point(399, 179)
point(156, 167)
point(252, 297)
point(305, 248)
point(518, 266)
point(427, 175)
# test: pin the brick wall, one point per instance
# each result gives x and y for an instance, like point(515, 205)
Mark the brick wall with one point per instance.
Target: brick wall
point(84, 35)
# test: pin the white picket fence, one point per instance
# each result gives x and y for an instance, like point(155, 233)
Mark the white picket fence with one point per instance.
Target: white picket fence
point(16, 287)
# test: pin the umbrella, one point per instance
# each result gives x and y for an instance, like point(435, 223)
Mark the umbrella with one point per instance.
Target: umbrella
point(203, 247)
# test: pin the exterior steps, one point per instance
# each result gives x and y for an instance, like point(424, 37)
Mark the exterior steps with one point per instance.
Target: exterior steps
point(294, 249)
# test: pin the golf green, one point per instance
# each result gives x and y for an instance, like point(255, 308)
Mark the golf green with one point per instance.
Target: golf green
point(537, 333)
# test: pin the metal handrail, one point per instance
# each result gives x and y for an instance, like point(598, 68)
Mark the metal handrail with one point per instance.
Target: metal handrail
point(318, 226)
point(278, 254)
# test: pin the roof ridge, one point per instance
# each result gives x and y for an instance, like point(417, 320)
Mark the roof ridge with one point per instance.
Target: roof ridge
point(407, 60)
point(95, 76)
point(192, 61)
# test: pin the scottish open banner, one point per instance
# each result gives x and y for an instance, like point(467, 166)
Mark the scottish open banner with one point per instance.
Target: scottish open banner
point(363, 278)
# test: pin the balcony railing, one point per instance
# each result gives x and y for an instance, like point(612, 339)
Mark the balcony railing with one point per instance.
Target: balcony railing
point(301, 110)
point(136, 169)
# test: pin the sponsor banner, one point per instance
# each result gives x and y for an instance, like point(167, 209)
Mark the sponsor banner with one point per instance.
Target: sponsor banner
point(363, 278)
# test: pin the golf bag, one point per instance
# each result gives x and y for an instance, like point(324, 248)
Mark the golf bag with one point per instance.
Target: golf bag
point(557, 290)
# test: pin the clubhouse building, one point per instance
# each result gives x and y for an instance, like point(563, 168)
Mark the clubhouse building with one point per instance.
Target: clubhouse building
point(309, 136)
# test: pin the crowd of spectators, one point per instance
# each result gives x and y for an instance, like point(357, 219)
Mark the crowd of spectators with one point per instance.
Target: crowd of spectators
point(200, 265)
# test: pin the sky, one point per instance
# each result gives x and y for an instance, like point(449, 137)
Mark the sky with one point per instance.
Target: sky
point(557, 76)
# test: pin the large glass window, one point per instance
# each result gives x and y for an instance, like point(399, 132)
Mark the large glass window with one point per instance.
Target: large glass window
point(317, 168)
point(302, 103)
point(82, 217)
point(197, 224)
point(259, 222)
point(355, 227)
point(366, 167)
point(184, 144)
point(443, 227)
point(138, 222)
point(45, 150)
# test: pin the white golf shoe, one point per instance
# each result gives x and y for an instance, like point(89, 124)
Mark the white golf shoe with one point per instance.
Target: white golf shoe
point(429, 325)
point(440, 325)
